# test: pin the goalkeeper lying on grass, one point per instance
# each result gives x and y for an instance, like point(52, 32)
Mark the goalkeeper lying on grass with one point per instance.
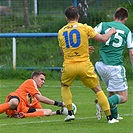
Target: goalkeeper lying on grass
point(26, 100)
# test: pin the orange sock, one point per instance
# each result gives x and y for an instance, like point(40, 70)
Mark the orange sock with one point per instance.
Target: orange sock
point(4, 107)
point(34, 114)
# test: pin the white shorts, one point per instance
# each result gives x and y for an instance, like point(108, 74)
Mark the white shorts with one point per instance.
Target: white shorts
point(114, 77)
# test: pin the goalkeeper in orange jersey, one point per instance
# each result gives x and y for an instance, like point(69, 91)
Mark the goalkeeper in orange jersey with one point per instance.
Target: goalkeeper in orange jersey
point(73, 42)
point(26, 100)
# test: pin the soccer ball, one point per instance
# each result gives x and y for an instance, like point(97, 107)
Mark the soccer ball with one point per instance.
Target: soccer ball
point(65, 111)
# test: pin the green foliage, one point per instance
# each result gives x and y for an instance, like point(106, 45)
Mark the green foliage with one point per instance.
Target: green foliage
point(37, 53)
point(94, 18)
point(18, 74)
point(40, 23)
point(25, 74)
point(33, 52)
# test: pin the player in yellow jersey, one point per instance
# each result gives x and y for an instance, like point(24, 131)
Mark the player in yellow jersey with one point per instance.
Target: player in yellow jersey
point(73, 41)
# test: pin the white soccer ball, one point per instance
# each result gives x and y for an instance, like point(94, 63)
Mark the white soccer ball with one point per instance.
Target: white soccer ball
point(65, 111)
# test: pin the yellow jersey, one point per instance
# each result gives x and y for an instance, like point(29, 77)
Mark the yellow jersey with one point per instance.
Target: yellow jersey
point(73, 39)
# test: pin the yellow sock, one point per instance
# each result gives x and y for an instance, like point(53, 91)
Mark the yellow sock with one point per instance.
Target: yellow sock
point(4, 107)
point(103, 102)
point(69, 106)
point(67, 97)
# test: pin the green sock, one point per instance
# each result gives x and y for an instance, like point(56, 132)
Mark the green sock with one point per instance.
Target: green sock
point(114, 112)
point(114, 99)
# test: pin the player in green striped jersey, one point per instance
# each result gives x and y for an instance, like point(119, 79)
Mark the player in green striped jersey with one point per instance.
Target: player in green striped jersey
point(110, 66)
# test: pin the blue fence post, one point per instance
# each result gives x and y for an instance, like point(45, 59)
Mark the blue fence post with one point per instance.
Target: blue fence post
point(75, 2)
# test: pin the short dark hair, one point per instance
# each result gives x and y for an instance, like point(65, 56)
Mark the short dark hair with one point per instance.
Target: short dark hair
point(121, 13)
point(72, 13)
point(37, 73)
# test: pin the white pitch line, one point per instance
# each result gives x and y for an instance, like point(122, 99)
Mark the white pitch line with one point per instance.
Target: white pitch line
point(48, 121)
point(50, 86)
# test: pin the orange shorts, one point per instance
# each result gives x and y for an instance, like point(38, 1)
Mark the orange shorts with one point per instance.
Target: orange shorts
point(22, 106)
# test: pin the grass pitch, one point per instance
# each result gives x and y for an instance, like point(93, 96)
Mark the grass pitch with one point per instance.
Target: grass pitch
point(85, 121)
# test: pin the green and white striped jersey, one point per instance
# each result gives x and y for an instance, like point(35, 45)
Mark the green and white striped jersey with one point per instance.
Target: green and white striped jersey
point(111, 51)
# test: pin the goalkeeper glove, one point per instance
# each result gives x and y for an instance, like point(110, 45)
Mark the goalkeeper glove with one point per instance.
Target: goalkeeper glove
point(60, 104)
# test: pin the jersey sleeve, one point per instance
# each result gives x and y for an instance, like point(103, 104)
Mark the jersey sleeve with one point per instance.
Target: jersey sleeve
point(98, 28)
point(129, 41)
point(31, 87)
point(90, 31)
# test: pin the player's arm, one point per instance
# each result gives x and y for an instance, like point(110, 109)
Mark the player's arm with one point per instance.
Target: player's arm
point(46, 100)
point(91, 49)
point(61, 51)
point(60, 34)
point(105, 37)
point(131, 56)
point(130, 46)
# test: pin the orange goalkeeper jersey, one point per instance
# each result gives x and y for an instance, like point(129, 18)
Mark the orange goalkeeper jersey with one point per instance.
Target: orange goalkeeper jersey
point(26, 92)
